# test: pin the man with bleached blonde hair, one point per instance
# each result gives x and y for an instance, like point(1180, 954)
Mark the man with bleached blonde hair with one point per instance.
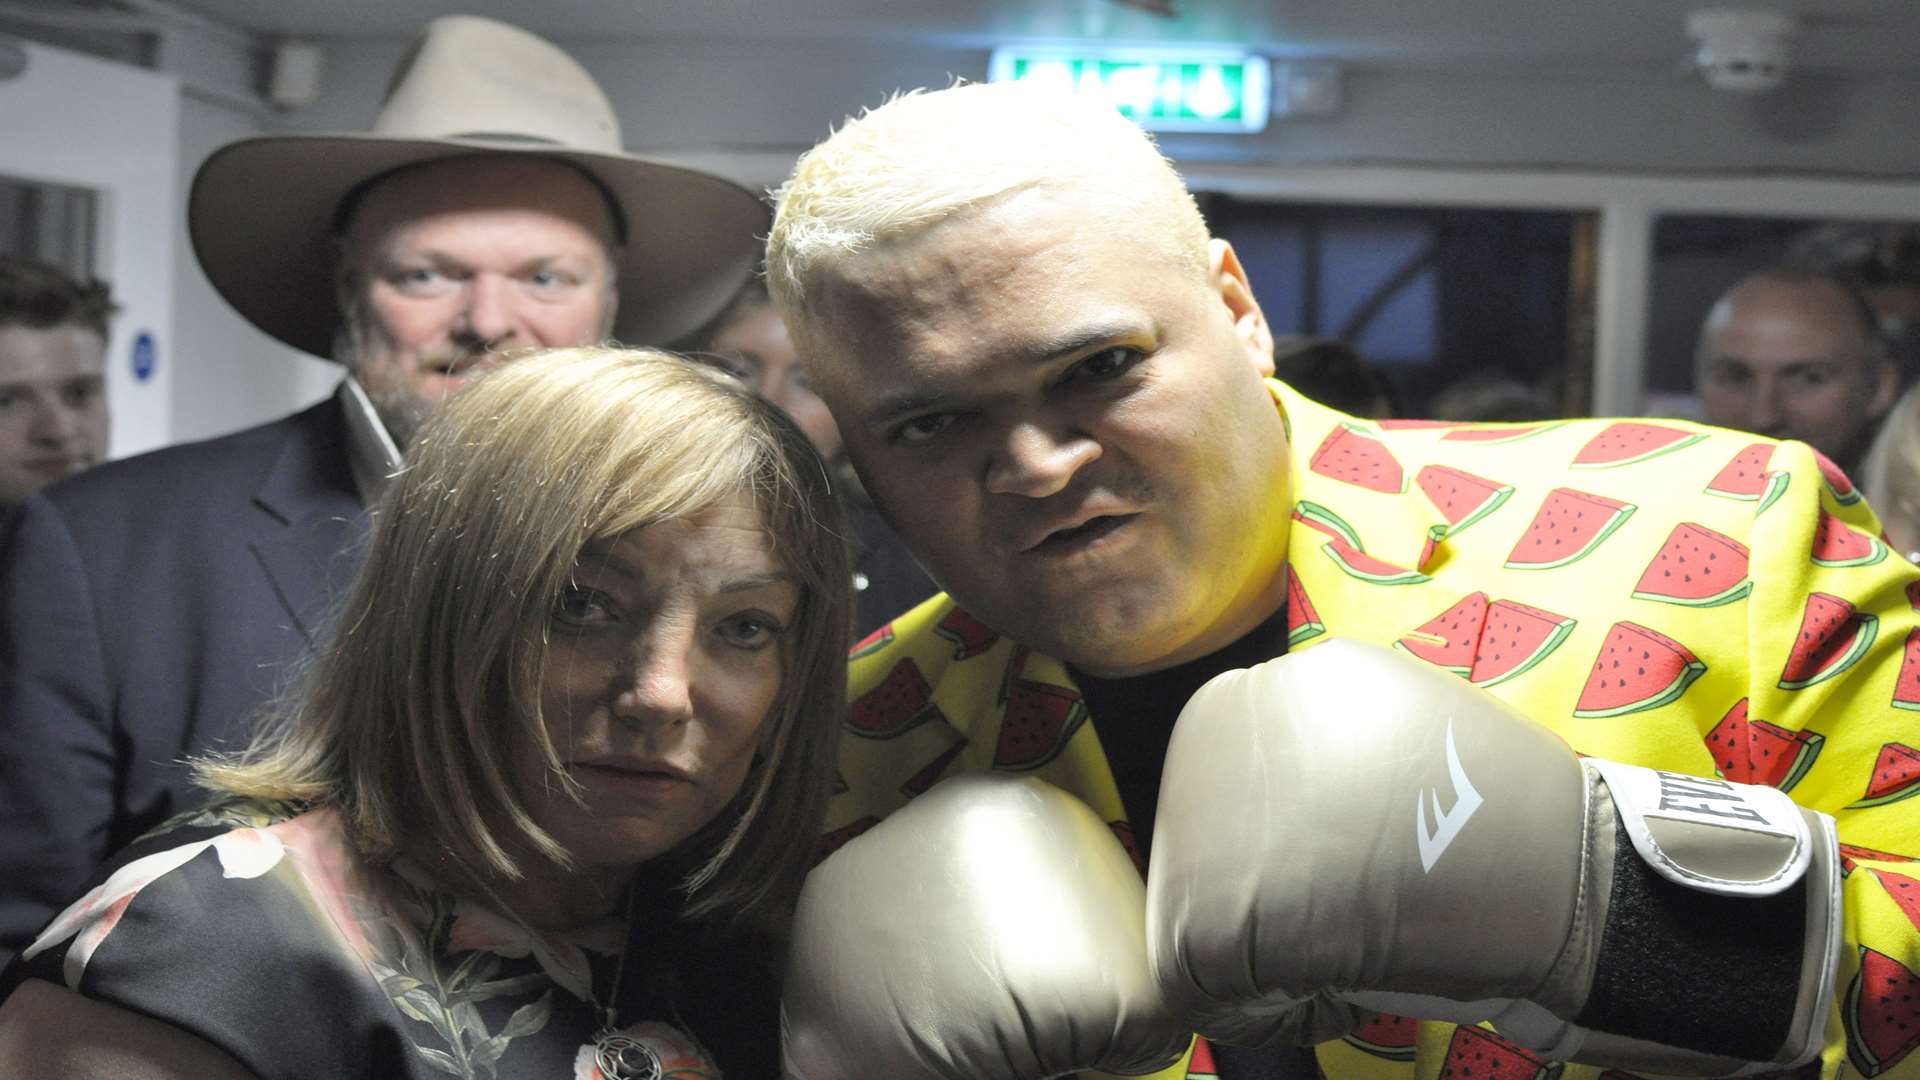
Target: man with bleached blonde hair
point(1475, 723)
point(875, 181)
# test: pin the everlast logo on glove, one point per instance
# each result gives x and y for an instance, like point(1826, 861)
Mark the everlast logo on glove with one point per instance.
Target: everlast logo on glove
point(1698, 795)
point(1710, 834)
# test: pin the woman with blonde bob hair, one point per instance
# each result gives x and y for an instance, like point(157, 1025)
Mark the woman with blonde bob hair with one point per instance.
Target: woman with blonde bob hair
point(540, 807)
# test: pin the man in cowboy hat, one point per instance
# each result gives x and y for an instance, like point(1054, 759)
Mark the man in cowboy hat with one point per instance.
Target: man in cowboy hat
point(150, 608)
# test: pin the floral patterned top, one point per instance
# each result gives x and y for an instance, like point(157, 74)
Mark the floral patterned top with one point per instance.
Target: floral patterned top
point(260, 929)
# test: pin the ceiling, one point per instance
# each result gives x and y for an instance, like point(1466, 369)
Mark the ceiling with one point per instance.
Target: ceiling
point(1618, 34)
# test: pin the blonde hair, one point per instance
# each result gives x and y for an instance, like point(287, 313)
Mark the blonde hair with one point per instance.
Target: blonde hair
point(925, 156)
point(409, 719)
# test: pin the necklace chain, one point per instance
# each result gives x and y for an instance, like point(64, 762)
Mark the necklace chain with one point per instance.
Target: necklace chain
point(618, 1056)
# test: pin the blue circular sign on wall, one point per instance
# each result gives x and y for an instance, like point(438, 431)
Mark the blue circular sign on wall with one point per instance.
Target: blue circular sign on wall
point(145, 357)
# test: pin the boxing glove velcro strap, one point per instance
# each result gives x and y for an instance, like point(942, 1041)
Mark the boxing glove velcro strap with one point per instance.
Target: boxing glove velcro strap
point(1721, 920)
point(1710, 834)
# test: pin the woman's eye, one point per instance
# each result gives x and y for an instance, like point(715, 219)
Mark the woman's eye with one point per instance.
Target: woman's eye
point(751, 631)
point(581, 606)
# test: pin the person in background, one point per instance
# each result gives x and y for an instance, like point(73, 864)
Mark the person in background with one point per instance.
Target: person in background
point(1333, 373)
point(1796, 354)
point(53, 360)
point(491, 208)
point(541, 805)
point(750, 340)
point(1524, 727)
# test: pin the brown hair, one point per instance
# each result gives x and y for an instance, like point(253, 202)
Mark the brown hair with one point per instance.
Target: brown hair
point(409, 719)
point(37, 295)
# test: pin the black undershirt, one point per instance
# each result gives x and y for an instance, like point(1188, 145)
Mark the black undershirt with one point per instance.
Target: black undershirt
point(1134, 716)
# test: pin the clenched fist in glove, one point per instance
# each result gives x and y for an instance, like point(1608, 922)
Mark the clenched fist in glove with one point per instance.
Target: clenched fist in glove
point(993, 927)
point(1347, 829)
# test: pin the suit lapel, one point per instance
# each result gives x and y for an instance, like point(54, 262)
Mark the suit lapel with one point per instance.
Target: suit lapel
point(312, 545)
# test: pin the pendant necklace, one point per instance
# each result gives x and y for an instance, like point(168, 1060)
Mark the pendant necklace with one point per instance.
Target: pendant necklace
point(617, 1056)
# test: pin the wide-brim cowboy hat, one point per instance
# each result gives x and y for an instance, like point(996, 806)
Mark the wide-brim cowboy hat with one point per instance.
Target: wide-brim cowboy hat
point(263, 211)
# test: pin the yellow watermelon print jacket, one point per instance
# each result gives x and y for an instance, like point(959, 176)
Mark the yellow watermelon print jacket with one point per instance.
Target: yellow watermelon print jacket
point(1781, 639)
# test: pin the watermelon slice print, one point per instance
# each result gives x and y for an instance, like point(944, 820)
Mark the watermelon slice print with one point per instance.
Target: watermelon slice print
point(1352, 456)
point(1842, 488)
point(1435, 534)
point(1448, 639)
point(1039, 720)
point(1756, 752)
point(1628, 443)
point(969, 635)
point(1359, 564)
point(1776, 487)
point(1896, 776)
point(1568, 527)
point(1882, 1013)
point(1833, 637)
point(872, 643)
point(1837, 544)
point(1696, 567)
point(1906, 689)
point(1325, 520)
point(919, 782)
point(1200, 1066)
point(1746, 478)
point(1516, 638)
point(1387, 1036)
point(901, 702)
point(1637, 669)
point(1850, 853)
point(1479, 1054)
point(1905, 892)
point(1303, 622)
point(1913, 595)
point(1461, 497)
point(1494, 435)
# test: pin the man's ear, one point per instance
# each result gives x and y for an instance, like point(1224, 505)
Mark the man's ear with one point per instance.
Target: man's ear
point(1229, 278)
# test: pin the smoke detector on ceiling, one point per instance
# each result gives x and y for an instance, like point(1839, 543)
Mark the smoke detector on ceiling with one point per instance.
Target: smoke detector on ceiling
point(1741, 52)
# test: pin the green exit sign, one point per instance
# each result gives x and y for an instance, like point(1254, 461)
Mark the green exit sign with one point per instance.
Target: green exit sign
point(1164, 90)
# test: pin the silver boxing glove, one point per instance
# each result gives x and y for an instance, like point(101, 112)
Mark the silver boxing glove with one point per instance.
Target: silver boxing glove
point(993, 927)
point(1347, 827)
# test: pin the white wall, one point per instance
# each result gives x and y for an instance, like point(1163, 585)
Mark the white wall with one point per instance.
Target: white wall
point(763, 102)
point(227, 375)
point(746, 109)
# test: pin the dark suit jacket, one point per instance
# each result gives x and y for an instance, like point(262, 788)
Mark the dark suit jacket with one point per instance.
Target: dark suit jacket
point(148, 608)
